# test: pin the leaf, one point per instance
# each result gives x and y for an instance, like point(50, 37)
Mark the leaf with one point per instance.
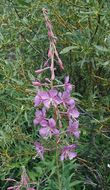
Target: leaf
point(1, 37)
point(68, 33)
point(24, 2)
point(76, 182)
point(31, 77)
point(67, 49)
point(101, 48)
point(28, 1)
point(19, 82)
point(106, 63)
point(25, 20)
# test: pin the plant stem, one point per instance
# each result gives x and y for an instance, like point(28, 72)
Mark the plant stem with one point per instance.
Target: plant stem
point(58, 172)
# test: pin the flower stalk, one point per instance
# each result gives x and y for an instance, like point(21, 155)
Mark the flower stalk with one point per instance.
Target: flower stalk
point(56, 111)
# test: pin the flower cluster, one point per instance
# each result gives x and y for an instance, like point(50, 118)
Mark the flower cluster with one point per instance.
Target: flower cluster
point(55, 107)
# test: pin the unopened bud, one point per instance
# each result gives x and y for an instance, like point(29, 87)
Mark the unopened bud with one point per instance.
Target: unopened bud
point(46, 63)
point(49, 53)
point(49, 33)
point(60, 63)
point(36, 83)
point(39, 71)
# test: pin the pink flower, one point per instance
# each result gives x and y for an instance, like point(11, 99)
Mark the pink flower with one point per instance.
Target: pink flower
point(67, 152)
point(47, 98)
point(39, 150)
point(40, 117)
point(73, 128)
point(66, 99)
point(73, 112)
point(50, 129)
point(50, 97)
point(68, 86)
point(37, 99)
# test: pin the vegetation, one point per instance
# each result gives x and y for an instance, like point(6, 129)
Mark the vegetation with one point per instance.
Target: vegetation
point(83, 31)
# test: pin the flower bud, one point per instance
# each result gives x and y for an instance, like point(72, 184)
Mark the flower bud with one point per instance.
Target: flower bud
point(36, 83)
point(49, 53)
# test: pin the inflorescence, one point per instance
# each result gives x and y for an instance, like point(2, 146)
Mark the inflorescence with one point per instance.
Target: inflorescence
point(56, 111)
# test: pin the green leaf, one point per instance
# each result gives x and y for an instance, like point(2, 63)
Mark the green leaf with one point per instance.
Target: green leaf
point(24, 2)
point(19, 82)
point(28, 1)
point(101, 48)
point(1, 37)
point(67, 49)
point(76, 182)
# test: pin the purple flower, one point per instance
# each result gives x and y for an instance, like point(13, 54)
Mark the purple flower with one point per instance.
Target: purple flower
point(66, 99)
point(73, 112)
point(40, 117)
point(39, 150)
point(38, 99)
point(47, 98)
point(73, 128)
point(68, 85)
point(50, 129)
point(67, 152)
point(50, 97)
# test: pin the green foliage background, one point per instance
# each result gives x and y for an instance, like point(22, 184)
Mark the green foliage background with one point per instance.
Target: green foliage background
point(83, 31)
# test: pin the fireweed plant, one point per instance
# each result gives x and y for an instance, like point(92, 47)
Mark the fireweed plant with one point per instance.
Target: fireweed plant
point(55, 107)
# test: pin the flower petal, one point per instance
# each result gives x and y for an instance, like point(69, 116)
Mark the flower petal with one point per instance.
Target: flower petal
point(44, 95)
point(75, 113)
point(37, 100)
point(52, 123)
point(47, 103)
point(72, 111)
point(53, 92)
point(35, 121)
point(56, 131)
point(62, 157)
point(44, 123)
point(57, 100)
point(72, 155)
point(38, 113)
point(71, 102)
point(44, 131)
point(44, 111)
point(73, 124)
point(77, 133)
point(66, 79)
point(39, 150)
